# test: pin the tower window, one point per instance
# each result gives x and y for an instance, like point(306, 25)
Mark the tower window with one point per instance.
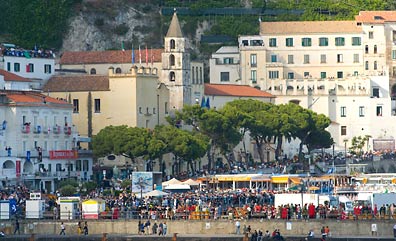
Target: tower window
point(93, 71)
point(172, 76)
point(172, 44)
point(172, 60)
point(118, 71)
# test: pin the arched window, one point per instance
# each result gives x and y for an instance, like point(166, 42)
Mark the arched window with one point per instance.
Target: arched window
point(200, 75)
point(366, 49)
point(93, 71)
point(366, 65)
point(375, 65)
point(375, 49)
point(118, 71)
point(172, 44)
point(171, 60)
point(172, 76)
point(193, 76)
point(197, 75)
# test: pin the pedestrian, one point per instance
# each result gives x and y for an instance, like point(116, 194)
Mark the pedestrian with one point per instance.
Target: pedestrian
point(16, 227)
point(63, 229)
point(85, 228)
point(155, 227)
point(164, 229)
point(79, 229)
point(160, 229)
point(147, 226)
point(237, 227)
point(310, 235)
point(323, 231)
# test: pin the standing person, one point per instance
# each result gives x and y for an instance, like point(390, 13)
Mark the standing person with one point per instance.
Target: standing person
point(164, 229)
point(237, 227)
point(85, 228)
point(155, 227)
point(16, 227)
point(63, 228)
point(160, 229)
point(147, 226)
point(79, 229)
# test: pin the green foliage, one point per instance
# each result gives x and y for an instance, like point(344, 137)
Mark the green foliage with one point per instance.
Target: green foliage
point(68, 190)
point(68, 182)
point(358, 143)
point(125, 184)
point(121, 29)
point(89, 186)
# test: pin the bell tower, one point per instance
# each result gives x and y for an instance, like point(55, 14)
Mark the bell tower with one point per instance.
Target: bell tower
point(176, 66)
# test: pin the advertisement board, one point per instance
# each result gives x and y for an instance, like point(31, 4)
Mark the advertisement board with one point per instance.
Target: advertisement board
point(142, 182)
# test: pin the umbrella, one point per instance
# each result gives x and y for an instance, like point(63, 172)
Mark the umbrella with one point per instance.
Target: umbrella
point(155, 193)
point(313, 188)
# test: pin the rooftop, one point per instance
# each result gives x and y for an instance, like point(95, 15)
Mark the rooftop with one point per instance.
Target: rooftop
point(309, 27)
point(235, 90)
point(30, 98)
point(75, 83)
point(12, 77)
point(376, 16)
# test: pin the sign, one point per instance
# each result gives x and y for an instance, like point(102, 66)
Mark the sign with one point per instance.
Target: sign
point(18, 168)
point(63, 154)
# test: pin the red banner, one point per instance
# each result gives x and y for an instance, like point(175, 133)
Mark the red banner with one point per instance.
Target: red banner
point(18, 168)
point(63, 154)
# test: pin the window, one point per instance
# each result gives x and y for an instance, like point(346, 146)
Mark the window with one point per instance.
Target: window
point(154, 111)
point(323, 75)
point(140, 110)
point(375, 49)
point(228, 60)
point(366, 65)
point(323, 59)
point(356, 58)
point(290, 59)
point(273, 74)
point(166, 108)
point(289, 42)
point(343, 130)
point(172, 44)
point(193, 75)
point(339, 41)
point(118, 71)
point(340, 74)
point(17, 67)
point(172, 76)
point(323, 42)
point(253, 76)
point(356, 41)
point(366, 49)
point(171, 60)
point(375, 65)
point(272, 42)
point(376, 92)
point(306, 74)
point(253, 60)
point(355, 73)
point(290, 75)
point(306, 42)
point(393, 54)
point(30, 68)
point(274, 58)
point(76, 107)
point(200, 75)
point(361, 111)
point(371, 35)
point(97, 105)
point(339, 58)
point(379, 110)
point(93, 71)
point(8, 66)
point(306, 58)
point(343, 111)
point(47, 69)
point(224, 76)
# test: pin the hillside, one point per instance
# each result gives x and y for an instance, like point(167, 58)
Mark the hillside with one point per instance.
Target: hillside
point(111, 24)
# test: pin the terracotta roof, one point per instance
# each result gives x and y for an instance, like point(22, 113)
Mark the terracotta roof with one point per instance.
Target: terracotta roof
point(29, 98)
point(376, 16)
point(75, 83)
point(235, 90)
point(110, 56)
point(309, 27)
point(174, 28)
point(12, 77)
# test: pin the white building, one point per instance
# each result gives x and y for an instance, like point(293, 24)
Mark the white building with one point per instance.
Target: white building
point(224, 66)
point(38, 144)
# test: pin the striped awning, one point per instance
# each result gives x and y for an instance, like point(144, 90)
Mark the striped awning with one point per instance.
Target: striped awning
point(295, 180)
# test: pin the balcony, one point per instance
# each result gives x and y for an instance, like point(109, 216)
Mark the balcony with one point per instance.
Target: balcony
point(26, 129)
point(56, 129)
point(37, 130)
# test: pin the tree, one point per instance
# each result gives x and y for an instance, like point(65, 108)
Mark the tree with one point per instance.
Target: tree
point(358, 143)
point(318, 139)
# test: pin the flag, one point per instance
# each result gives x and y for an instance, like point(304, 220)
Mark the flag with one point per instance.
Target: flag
point(140, 56)
point(152, 57)
point(203, 103)
point(122, 46)
point(147, 61)
point(133, 55)
point(26, 54)
point(207, 104)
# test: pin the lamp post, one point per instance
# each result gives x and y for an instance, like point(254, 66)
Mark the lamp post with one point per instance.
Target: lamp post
point(345, 148)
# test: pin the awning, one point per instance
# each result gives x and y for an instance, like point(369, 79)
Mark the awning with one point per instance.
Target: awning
point(234, 178)
point(280, 179)
point(295, 180)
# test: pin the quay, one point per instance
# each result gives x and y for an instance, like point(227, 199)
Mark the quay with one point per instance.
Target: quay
point(210, 230)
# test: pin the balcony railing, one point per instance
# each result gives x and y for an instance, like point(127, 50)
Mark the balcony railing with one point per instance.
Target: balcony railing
point(37, 130)
point(56, 129)
point(26, 129)
point(67, 130)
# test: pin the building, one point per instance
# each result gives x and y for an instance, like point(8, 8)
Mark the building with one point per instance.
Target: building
point(343, 69)
point(224, 66)
point(38, 143)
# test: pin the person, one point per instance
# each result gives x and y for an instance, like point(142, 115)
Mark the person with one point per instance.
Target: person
point(160, 229)
point(237, 227)
point(63, 229)
point(79, 229)
point(85, 228)
point(147, 226)
point(323, 231)
point(394, 231)
point(164, 229)
point(311, 235)
point(155, 227)
point(16, 227)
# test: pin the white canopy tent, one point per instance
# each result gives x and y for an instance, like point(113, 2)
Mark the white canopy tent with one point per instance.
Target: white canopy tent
point(191, 182)
point(173, 181)
point(155, 193)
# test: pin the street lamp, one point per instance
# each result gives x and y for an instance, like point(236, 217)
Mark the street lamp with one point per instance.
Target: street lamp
point(345, 148)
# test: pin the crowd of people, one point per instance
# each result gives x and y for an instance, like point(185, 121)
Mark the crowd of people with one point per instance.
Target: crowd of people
point(19, 52)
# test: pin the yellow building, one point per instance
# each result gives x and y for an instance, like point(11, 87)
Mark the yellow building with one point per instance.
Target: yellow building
point(135, 99)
